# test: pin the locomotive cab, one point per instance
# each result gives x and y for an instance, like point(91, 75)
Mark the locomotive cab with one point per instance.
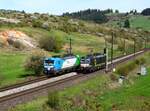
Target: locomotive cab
point(93, 62)
point(52, 65)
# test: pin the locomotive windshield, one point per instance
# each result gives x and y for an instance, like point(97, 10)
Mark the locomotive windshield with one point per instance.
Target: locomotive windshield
point(49, 62)
point(85, 60)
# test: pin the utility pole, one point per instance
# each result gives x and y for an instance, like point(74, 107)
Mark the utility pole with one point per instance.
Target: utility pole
point(145, 43)
point(112, 48)
point(134, 46)
point(106, 54)
point(124, 46)
point(70, 49)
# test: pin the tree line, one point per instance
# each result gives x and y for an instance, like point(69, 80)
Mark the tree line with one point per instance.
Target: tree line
point(146, 12)
point(95, 15)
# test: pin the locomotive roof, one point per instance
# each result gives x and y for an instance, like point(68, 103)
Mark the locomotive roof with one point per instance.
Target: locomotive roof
point(58, 58)
point(69, 57)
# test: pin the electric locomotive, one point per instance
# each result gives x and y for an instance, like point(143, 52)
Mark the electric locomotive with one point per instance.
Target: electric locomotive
point(56, 65)
point(93, 62)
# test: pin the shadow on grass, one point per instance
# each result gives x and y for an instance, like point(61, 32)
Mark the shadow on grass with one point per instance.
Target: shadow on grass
point(27, 75)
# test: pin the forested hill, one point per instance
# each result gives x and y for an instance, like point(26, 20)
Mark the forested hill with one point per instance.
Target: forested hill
point(95, 15)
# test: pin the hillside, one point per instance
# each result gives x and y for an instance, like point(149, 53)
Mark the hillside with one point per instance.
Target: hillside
point(19, 39)
point(136, 21)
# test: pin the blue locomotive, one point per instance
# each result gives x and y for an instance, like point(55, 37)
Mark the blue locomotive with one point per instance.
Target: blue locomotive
point(54, 65)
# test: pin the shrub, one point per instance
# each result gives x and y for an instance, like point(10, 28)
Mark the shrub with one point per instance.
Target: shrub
point(16, 44)
point(140, 61)
point(51, 43)
point(125, 69)
point(35, 62)
point(53, 99)
point(121, 47)
point(36, 23)
point(127, 24)
point(113, 77)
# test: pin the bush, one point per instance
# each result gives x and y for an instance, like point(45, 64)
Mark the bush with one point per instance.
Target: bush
point(140, 61)
point(52, 43)
point(113, 77)
point(35, 62)
point(53, 99)
point(37, 23)
point(127, 24)
point(125, 69)
point(16, 44)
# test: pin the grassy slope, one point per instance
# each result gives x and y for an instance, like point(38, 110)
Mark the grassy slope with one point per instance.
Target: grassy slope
point(140, 22)
point(96, 94)
point(135, 97)
point(11, 67)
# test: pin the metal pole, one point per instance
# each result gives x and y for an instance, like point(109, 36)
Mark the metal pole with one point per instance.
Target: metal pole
point(106, 59)
point(134, 47)
point(106, 63)
point(112, 48)
point(106, 54)
point(145, 43)
point(124, 46)
point(70, 46)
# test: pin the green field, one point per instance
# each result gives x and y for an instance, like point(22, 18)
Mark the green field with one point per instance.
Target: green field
point(130, 97)
point(142, 22)
point(101, 94)
point(136, 22)
point(11, 67)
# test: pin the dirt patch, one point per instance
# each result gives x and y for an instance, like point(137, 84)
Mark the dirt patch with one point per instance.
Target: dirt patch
point(114, 85)
point(11, 37)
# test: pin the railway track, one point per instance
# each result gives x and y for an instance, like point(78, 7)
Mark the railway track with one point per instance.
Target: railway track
point(54, 84)
point(23, 83)
point(5, 98)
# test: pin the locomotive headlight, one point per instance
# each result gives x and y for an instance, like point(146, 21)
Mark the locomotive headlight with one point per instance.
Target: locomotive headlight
point(48, 68)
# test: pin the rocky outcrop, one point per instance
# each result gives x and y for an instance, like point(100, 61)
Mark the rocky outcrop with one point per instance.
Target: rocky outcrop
point(9, 37)
point(2, 19)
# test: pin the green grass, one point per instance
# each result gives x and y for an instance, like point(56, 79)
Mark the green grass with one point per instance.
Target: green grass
point(134, 97)
point(96, 94)
point(140, 22)
point(11, 67)
point(67, 95)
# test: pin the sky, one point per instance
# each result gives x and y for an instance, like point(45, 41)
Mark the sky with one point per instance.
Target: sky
point(57, 7)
